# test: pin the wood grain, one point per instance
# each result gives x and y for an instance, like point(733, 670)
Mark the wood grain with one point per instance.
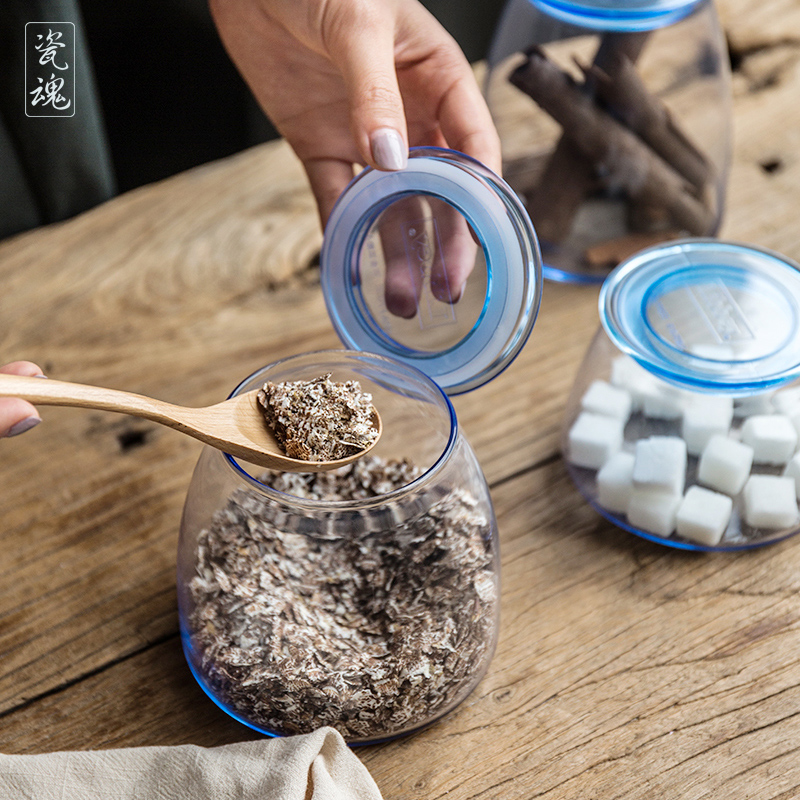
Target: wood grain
point(623, 670)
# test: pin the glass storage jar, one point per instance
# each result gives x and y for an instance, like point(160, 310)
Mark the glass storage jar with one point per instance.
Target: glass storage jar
point(365, 599)
point(614, 119)
point(682, 425)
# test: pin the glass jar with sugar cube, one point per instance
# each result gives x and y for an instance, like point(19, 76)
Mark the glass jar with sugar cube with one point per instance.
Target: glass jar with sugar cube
point(682, 426)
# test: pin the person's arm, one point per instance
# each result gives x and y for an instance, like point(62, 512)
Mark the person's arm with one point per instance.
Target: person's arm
point(18, 416)
point(356, 82)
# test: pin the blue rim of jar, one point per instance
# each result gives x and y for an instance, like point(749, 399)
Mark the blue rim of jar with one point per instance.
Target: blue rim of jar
point(629, 288)
point(370, 502)
point(357, 208)
point(633, 15)
point(685, 544)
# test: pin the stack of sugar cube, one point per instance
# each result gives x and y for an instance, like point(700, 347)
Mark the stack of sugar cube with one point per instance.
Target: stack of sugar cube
point(739, 445)
point(657, 480)
point(598, 431)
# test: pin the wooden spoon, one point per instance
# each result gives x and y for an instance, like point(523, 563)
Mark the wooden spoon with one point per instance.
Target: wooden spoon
point(235, 426)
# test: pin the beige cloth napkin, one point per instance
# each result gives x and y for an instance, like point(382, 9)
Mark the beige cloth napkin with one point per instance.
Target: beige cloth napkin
point(313, 766)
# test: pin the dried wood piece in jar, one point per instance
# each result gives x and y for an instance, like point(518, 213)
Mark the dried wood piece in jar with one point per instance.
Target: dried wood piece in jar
point(568, 176)
point(622, 158)
point(609, 253)
point(626, 97)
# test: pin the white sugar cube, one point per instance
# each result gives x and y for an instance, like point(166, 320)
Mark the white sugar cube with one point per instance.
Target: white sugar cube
point(653, 511)
point(772, 437)
point(664, 401)
point(770, 501)
point(752, 404)
point(794, 418)
point(633, 377)
point(603, 398)
point(593, 439)
point(787, 401)
point(704, 417)
point(725, 464)
point(660, 463)
point(703, 515)
point(793, 471)
point(615, 482)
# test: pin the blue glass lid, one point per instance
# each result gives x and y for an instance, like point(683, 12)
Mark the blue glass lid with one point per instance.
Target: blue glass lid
point(436, 265)
point(708, 315)
point(618, 15)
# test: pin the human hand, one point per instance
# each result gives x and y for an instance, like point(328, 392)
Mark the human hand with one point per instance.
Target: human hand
point(355, 82)
point(16, 415)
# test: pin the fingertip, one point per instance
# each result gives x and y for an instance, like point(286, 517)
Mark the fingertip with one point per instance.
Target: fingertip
point(444, 292)
point(16, 417)
point(400, 291)
point(401, 303)
point(484, 146)
point(389, 150)
point(26, 368)
point(22, 426)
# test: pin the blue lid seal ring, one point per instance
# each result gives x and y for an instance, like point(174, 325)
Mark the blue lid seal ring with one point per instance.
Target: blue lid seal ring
point(629, 15)
point(707, 315)
point(420, 224)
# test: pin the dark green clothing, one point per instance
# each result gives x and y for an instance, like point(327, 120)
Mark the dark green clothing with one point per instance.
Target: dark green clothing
point(51, 168)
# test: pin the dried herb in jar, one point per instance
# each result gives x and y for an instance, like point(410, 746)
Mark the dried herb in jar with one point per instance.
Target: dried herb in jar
point(370, 632)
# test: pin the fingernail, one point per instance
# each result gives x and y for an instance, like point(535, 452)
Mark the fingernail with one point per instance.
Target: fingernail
point(22, 426)
point(443, 292)
point(388, 149)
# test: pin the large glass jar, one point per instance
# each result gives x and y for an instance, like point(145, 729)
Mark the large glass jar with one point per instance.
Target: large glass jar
point(366, 599)
point(614, 120)
point(683, 424)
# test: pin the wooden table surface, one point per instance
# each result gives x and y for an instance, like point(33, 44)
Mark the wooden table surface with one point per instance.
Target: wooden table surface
point(623, 670)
